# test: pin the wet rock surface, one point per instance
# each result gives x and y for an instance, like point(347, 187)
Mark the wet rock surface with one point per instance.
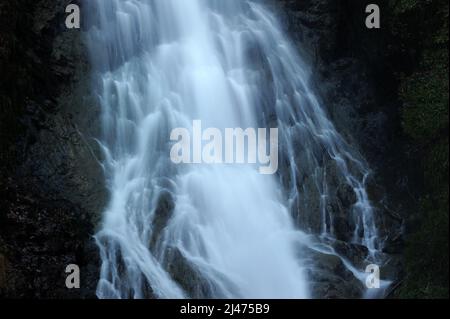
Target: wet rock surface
point(354, 253)
point(188, 278)
point(350, 64)
point(52, 186)
point(163, 213)
point(330, 278)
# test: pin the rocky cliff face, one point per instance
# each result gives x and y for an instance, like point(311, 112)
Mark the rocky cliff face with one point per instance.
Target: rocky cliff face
point(386, 91)
point(51, 183)
point(354, 76)
point(353, 73)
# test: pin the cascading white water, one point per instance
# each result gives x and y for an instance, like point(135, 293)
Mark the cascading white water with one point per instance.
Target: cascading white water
point(175, 231)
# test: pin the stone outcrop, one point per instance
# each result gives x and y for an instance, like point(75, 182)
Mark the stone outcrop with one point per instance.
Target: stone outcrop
point(52, 186)
point(51, 183)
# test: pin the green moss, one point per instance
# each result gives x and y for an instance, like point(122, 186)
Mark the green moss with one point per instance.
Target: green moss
point(421, 27)
point(425, 96)
point(403, 6)
point(427, 254)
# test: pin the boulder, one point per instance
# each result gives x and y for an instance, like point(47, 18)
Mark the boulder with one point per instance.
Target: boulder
point(163, 213)
point(354, 253)
point(329, 277)
point(194, 284)
point(346, 195)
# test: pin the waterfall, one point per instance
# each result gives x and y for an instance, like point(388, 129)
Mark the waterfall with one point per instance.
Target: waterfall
point(213, 231)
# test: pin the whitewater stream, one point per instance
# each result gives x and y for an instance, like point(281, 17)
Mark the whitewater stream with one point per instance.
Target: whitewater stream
point(201, 230)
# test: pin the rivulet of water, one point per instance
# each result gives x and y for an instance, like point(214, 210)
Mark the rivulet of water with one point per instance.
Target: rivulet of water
point(193, 231)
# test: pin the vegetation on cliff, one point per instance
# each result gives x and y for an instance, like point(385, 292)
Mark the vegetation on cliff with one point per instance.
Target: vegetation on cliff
point(421, 30)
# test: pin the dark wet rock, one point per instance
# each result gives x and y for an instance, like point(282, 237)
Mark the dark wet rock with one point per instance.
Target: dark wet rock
point(361, 99)
point(163, 213)
point(393, 225)
point(394, 244)
point(49, 162)
point(185, 275)
point(330, 278)
point(346, 195)
point(392, 269)
point(375, 190)
point(342, 228)
point(188, 278)
point(354, 253)
point(307, 211)
point(3, 268)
